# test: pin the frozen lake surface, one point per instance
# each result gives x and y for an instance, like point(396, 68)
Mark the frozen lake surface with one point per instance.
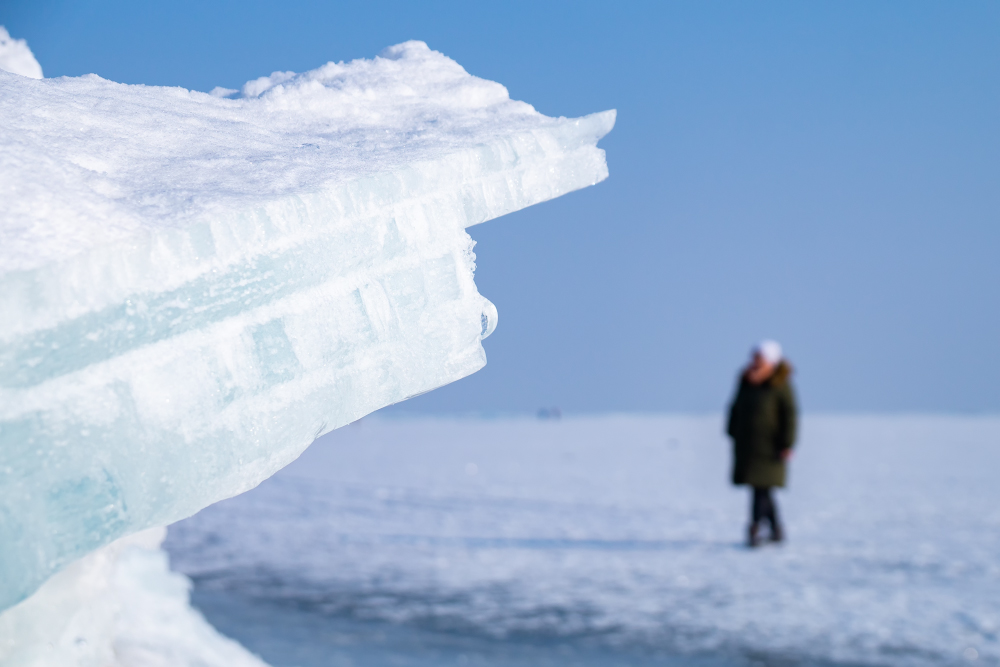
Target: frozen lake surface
point(609, 541)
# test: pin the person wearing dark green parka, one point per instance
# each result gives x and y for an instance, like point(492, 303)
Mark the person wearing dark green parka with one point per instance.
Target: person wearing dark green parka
point(762, 424)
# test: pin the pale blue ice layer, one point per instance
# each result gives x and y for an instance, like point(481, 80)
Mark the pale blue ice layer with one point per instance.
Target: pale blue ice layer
point(254, 378)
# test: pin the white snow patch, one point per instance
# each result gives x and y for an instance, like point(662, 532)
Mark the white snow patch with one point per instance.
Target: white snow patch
point(117, 607)
point(16, 57)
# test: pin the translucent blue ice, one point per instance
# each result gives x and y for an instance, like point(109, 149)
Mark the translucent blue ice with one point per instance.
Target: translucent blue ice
point(194, 288)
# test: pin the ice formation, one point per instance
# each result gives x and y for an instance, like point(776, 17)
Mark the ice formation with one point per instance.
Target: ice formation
point(16, 57)
point(195, 287)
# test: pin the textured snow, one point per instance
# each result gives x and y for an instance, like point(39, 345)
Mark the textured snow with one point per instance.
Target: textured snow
point(88, 162)
point(624, 531)
point(194, 287)
point(16, 57)
point(120, 606)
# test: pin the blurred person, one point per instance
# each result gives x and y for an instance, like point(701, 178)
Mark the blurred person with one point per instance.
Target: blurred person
point(762, 424)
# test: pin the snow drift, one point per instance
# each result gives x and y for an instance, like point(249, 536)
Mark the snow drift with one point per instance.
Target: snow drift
point(120, 605)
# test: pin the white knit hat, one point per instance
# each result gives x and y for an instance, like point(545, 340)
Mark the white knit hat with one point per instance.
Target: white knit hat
point(770, 350)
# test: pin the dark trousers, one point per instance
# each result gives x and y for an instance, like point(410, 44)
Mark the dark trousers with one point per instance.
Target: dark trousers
point(764, 507)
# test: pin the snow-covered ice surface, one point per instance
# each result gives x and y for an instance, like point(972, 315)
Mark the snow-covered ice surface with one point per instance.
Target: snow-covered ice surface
point(609, 540)
point(88, 162)
point(194, 287)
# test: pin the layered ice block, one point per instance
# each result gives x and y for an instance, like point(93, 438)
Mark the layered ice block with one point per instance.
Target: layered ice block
point(193, 286)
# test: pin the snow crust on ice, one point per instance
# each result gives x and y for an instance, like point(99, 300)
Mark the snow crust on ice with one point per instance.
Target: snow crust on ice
point(624, 532)
point(88, 162)
point(16, 57)
point(194, 288)
point(119, 606)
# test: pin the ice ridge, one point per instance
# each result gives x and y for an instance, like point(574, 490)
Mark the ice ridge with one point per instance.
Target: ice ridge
point(196, 287)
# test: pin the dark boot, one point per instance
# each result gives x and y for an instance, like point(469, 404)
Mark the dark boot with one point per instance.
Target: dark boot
point(753, 535)
point(777, 533)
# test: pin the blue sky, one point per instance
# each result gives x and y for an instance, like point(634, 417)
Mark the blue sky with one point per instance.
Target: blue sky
point(823, 173)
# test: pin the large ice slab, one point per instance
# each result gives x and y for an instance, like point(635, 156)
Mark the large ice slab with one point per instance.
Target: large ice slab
point(194, 287)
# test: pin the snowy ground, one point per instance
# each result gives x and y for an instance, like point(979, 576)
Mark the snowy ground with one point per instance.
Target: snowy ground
point(609, 540)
